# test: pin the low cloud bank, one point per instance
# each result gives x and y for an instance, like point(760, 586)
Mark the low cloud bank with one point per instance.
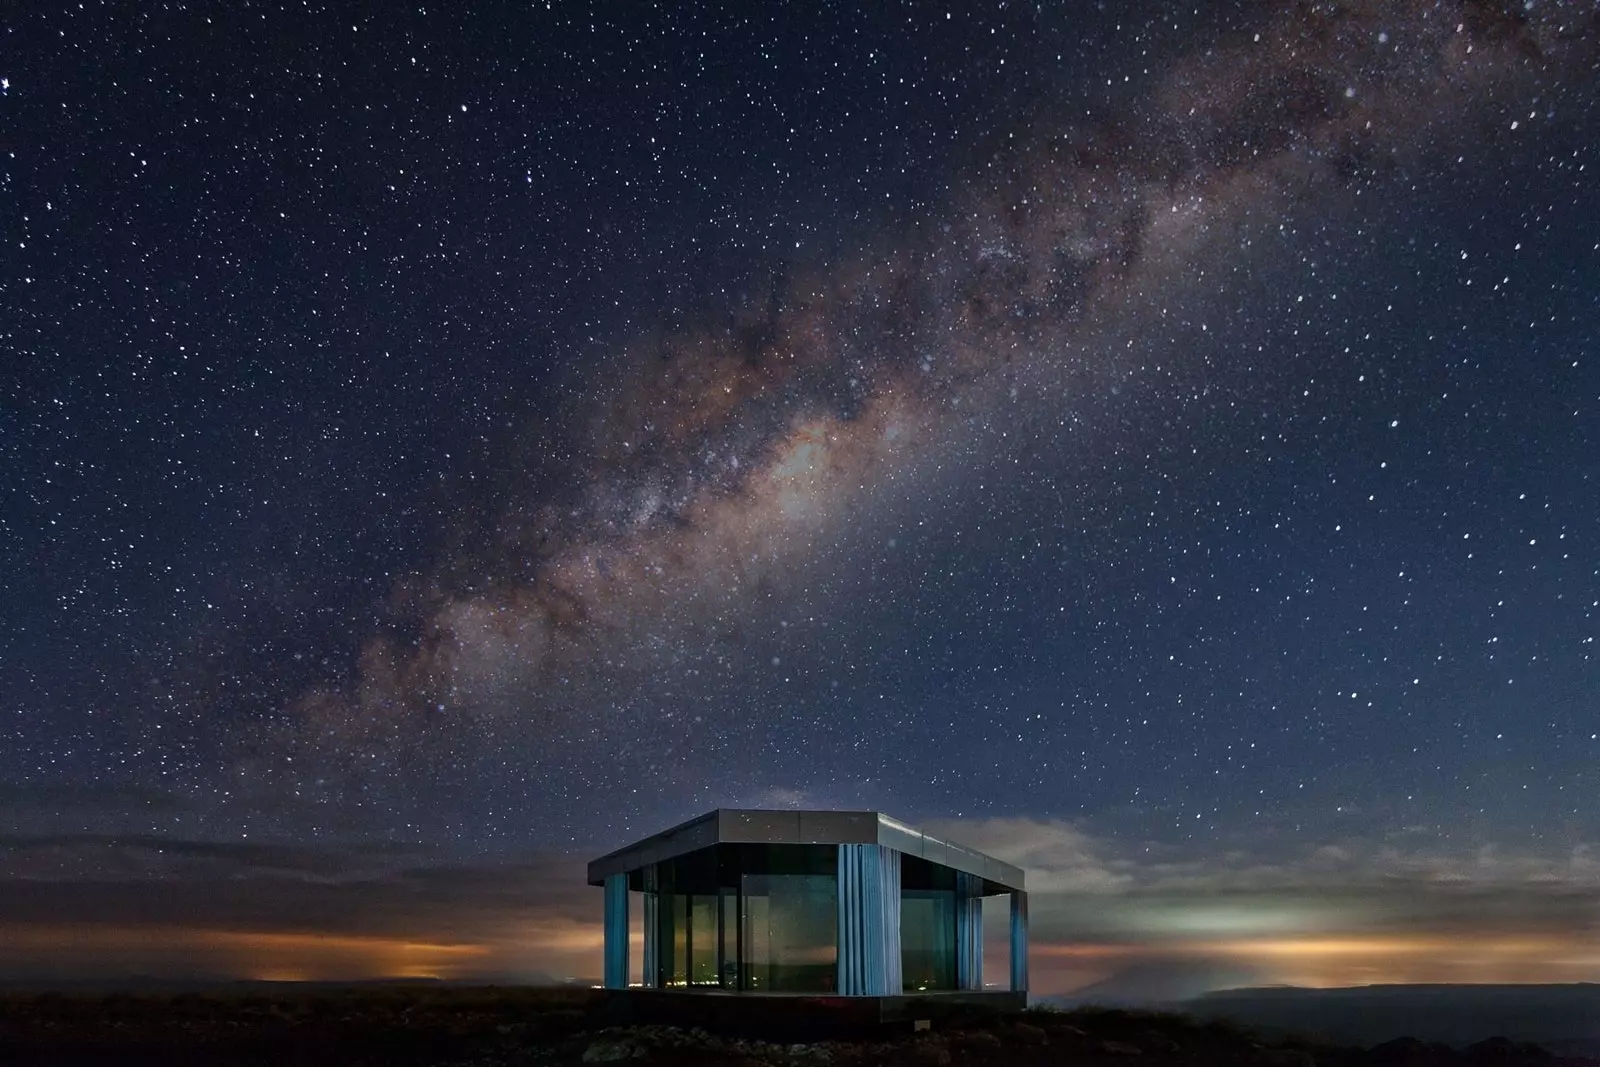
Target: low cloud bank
point(1138, 921)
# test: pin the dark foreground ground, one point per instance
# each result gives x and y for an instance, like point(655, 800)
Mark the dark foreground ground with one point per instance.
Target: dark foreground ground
point(485, 1027)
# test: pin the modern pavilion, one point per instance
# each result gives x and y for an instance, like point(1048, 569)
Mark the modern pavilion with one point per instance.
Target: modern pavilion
point(818, 903)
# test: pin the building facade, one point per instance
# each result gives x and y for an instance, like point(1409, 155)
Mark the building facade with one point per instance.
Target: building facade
point(821, 903)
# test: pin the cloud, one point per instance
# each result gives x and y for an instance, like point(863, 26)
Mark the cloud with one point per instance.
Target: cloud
point(1131, 921)
point(1058, 857)
point(83, 904)
point(1350, 910)
point(1083, 887)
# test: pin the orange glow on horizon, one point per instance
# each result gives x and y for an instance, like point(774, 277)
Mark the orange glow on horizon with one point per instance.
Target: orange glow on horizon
point(269, 956)
point(1332, 960)
point(564, 946)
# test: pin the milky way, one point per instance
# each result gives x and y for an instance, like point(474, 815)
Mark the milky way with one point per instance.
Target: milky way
point(734, 479)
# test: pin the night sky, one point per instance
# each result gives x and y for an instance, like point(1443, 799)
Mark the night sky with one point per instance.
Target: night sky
point(1159, 447)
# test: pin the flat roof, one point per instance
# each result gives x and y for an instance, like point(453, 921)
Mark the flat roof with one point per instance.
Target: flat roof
point(760, 826)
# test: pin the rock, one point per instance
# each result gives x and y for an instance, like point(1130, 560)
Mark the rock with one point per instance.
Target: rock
point(1161, 1042)
point(1028, 1034)
point(1120, 1048)
point(614, 1051)
point(927, 1054)
point(982, 1042)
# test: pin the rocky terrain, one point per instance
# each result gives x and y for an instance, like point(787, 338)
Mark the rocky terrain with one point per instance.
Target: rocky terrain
point(491, 1027)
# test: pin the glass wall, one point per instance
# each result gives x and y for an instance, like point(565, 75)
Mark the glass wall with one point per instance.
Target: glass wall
point(754, 917)
point(635, 936)
point(673, 954)
point(690, 949)
point(728, 938)
point(704, 942)
point(927, 925)
point(997, 942)
point(687, 928)
point(765, 918)
point(791, 932)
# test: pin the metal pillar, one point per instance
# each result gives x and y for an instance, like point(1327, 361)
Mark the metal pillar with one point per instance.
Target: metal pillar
point(869, 921)
point(616, 932)
point(1019, 941)
point(969, 931)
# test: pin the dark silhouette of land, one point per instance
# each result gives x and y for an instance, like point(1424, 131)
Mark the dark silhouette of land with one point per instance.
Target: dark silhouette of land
point(416, 1024)
point(1564, 1018)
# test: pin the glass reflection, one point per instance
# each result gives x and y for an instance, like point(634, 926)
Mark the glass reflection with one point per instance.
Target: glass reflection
point(928, 939)
point(927, 925)
point(754, 917)
point(791, 927)
point(764, 918)
point(703, 941)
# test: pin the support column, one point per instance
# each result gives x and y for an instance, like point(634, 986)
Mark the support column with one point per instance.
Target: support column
point(616, 932)
point(1019, 941)
point(869, 921)
point(969, 931)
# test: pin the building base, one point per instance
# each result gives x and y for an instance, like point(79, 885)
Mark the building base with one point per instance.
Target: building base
point(798, 1016)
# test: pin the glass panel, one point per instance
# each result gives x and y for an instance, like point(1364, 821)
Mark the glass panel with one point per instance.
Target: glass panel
point(674, 939)
point(703, 940)
point(728, 942)
point(636, 935)
point(686, 919)
point(928, 938)
point(756, 964)
point(997, 942)
point(791, 926)
point(782, 936)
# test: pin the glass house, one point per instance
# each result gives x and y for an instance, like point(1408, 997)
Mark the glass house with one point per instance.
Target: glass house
point(820, 903)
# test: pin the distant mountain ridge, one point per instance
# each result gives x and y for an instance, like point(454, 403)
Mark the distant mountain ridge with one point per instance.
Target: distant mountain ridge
point(1160, 984)
point(1563, 1018)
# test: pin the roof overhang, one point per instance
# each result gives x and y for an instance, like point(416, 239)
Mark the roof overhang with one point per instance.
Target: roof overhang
point(773, 827)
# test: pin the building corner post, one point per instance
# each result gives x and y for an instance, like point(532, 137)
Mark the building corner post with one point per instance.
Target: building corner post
point(616, 932)
point(969, 931)
point(1019, 941)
